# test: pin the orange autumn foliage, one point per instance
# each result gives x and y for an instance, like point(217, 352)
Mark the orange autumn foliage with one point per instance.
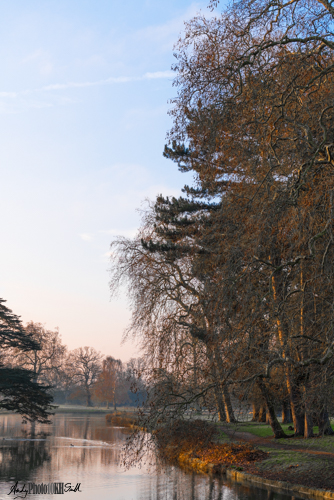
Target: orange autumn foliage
point(229, 454)
point(196, 439)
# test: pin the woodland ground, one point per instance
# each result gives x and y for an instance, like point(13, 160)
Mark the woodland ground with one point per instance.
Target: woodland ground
point(308, 462)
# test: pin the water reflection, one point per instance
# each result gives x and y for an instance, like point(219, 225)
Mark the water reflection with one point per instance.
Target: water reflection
point(19, 458)
point(176, 485)
point(83, 449)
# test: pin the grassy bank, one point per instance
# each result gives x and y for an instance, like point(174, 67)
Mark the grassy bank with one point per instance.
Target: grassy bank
point(325, 443)
point(205, 447)
point(264, 430)
point(201, 445)
point(259, 429)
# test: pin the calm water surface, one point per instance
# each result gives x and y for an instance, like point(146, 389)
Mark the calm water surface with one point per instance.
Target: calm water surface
point(83, 449)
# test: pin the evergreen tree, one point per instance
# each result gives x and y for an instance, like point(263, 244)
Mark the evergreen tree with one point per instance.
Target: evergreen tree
point(18, 390)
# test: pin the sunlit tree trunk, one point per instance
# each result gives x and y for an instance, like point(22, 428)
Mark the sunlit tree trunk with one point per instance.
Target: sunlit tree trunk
point(296, 407)
point(228, 405)
point(262, 414)
point(308, 426)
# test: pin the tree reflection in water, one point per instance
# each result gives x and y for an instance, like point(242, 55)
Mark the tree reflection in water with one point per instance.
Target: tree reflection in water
point(19, 457)
point(178, 485)
point(83, 449)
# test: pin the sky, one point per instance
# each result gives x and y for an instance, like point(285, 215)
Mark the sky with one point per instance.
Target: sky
point(84, 94)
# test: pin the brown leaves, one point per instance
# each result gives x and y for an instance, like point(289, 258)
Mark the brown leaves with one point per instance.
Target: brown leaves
point(196, 440)
point(228, 454)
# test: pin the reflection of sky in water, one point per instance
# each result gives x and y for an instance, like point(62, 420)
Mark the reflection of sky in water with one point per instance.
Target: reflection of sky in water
point(83, 449)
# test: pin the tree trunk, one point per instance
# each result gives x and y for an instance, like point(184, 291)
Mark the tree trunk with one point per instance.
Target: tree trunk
point(88, 397)
point(308, 420)
point(295, 404)
point(216, 367)
point(256, 411)
point(32, 428)
point(325, 427)
point(217, 388)
point(282, 328)
point(262, 414)
point(220, 404)
point(107, 405)
point(286, 412)
point(308, 427)
point(228, 405)
point(274, 423)
point(115, 407)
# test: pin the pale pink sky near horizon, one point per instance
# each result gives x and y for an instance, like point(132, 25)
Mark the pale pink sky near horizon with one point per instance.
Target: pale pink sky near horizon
point(83, 121)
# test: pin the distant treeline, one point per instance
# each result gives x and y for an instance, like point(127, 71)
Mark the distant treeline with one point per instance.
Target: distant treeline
point(82, 376)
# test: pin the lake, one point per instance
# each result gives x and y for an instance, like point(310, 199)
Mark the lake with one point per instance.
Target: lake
point(78, 448)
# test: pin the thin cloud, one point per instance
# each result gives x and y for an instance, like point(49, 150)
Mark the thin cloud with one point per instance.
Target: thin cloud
point(110, 81)
point(8, 94)
point(158, 74)
point(73, 85)
point(127, 233)
point(86, 237)
point(107, 81)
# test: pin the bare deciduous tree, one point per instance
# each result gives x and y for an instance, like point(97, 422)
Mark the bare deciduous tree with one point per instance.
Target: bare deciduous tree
point(84, 364)
point(243, 263)
point(45, 361)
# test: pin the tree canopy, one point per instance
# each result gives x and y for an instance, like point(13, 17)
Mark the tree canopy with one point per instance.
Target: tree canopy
point(242, 264)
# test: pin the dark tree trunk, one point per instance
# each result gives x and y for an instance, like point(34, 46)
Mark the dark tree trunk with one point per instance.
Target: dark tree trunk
point(325, 427)
point(296, 407)
point(298, 419)
point(308, 420)
point(217, 387)
point(294, 395)
point(88, 398)
point(286, 412)
point(32, 429)
point(218, 375)
point(220, 404)
point(256, 411)
point(274, 423)
point(115, 407)
point(223, 390)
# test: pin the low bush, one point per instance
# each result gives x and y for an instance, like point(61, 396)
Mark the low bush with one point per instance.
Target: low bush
point(197, 439)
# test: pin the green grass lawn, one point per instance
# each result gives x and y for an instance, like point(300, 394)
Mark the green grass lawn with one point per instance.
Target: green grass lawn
point(263, 430)
point(259, 429)
point(325, 443)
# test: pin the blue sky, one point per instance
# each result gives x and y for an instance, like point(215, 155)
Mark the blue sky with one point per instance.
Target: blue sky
point(83, 118)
